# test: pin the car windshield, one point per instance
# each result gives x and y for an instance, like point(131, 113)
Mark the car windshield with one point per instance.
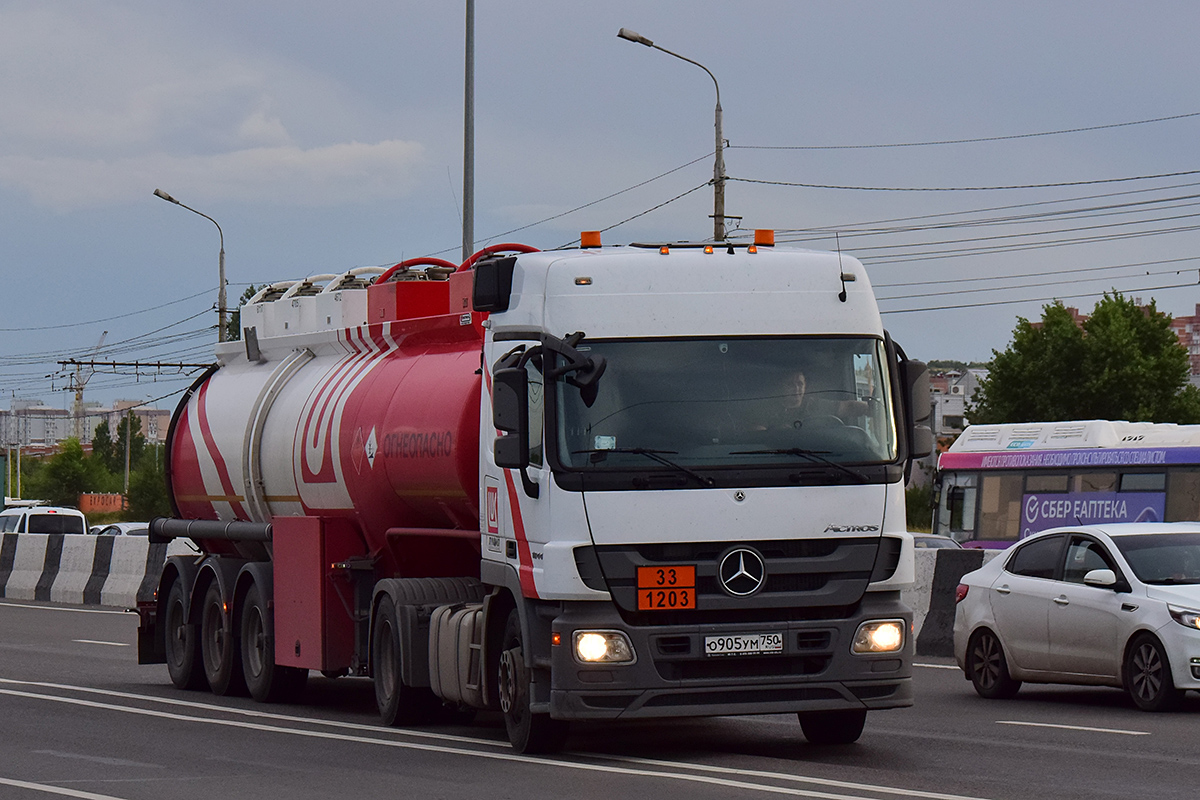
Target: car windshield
point(734, 401)
point(1163, 558)
point(8, 522)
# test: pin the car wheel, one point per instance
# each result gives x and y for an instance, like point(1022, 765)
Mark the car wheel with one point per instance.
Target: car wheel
point(179, 639)
point(987, 667)
point(528, 732)
point(1148, 676)
point(833, 727)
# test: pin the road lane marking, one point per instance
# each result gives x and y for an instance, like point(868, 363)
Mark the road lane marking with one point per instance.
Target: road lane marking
point(937, 666)
point(97, 641)
point(59, 608)
point(1071, 727)
point(42, 787)
point(495, 756)
point(108, 762)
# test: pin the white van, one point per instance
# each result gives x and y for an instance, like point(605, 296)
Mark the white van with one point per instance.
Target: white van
point(42, 519)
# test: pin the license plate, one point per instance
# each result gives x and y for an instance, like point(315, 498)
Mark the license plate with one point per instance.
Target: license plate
point(743, 644)
point(666, 588)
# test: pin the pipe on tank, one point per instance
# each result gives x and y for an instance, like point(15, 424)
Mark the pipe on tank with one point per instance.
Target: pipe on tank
point(165, 529)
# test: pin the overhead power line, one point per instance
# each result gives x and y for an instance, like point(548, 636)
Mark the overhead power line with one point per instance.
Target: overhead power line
point(974, 140)
point(1058, 184)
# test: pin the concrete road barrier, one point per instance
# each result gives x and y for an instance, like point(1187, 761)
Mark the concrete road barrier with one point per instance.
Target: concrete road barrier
point(118, 570)
point(79, 569)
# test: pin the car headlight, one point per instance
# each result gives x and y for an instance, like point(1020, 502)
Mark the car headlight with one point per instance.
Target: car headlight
point(880, 636)
point(603, 647)
point(1185, 616)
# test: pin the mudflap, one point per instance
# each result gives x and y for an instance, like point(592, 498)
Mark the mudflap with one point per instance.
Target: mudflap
point(150, 644)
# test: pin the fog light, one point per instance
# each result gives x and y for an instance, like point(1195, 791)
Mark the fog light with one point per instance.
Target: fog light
point(1196, 668)
point(883, 636)
point(607, 647)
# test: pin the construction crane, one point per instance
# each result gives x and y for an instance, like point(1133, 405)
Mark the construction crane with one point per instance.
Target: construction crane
point(79, 380)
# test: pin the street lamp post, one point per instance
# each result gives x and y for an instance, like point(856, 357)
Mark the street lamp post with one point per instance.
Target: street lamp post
point(719, 163)
point(221, 334)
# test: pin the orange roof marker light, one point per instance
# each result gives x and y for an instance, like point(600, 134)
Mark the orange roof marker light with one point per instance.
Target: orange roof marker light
point(589, 239)
point(764, 237)
point(664, 250)
point(708, 249)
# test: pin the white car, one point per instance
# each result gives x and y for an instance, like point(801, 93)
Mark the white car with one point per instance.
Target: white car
point(122, 529)
point(42, 519)
point(1107, 605)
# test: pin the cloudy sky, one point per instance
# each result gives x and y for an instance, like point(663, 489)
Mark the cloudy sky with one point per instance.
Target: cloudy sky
point(324, 136)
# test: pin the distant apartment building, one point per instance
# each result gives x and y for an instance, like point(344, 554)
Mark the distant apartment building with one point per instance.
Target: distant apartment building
point(951, 389)
point(1188, 331)
point(34, 426)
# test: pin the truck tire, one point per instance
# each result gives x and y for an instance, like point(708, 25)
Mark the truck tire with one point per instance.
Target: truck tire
point(833, 727)
point(398, 703)
point(528, 732)
point(219, 645)
point(267, 681)
point(179, 642)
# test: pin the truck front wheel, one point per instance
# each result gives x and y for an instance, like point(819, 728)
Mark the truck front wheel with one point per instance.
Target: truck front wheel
point(179, 639)
point(267, 681)
point(528, 732)
point(219, 645)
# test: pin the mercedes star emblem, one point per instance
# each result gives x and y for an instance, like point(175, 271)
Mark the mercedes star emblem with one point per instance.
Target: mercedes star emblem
point(742, 572)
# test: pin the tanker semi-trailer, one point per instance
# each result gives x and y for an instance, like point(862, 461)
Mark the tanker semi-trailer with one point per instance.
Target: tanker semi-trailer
point(598, 483)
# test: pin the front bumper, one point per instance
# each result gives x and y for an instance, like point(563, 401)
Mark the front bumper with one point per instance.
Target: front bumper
point(672, 677)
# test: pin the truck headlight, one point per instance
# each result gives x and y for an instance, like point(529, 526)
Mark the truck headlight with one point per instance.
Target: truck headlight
point(603, 647)
point(880, 636)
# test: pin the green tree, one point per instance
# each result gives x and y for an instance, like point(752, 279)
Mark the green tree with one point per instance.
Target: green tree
point(137, 443)
point(65, 476)
point(103, 449)
point(1124, 363)
point(147, 496)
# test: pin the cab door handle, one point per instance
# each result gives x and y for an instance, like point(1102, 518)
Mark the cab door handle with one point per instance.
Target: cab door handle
point(1062, 600)
point(1003, 589)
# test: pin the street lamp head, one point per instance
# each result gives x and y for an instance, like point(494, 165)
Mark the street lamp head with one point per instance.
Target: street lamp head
point(634, 36)
point(165, 196)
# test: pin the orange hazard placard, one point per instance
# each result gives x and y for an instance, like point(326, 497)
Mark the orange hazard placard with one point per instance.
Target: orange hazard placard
point(666, 587)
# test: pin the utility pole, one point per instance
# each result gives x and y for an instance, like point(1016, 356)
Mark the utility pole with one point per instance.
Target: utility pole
point(128, 439)
point(468, 232)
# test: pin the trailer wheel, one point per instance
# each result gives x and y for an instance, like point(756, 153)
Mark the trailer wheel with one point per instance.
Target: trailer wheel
point(398, 703)
point(528, 732)
point(219, 645)
point(179, 642)
point(267, 681)
point(833, 727)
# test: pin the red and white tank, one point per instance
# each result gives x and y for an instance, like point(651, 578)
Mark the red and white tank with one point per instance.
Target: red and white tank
point(346, 399)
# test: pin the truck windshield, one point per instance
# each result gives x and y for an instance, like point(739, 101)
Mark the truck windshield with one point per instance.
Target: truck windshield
point(731, 402)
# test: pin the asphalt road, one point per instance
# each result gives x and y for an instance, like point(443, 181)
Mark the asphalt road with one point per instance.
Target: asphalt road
point(79, 718)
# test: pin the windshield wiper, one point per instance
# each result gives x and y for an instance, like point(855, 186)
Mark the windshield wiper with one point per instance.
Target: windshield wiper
point(815, 456)
point(653, 455)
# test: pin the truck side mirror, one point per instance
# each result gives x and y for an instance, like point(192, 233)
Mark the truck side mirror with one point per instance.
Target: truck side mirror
point(510, 413)
point(492, 286)
point(920, 439)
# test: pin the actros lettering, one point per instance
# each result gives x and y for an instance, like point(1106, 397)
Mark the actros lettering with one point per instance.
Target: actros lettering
point(418, 445)
point(851, 529)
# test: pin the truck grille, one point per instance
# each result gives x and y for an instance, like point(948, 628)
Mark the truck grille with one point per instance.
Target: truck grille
point(806, 579)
